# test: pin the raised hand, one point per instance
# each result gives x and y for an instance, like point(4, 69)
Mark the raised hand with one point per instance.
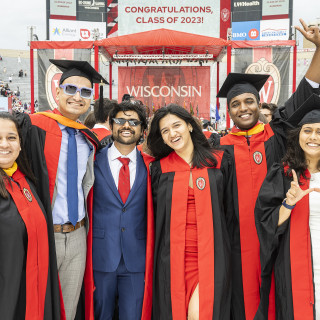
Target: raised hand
point(310, 33)
point(295, 193)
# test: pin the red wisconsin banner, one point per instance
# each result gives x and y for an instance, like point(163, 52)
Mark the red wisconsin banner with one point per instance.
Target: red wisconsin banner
point(156, 87)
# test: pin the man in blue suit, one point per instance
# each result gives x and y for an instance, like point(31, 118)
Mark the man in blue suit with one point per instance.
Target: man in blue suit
point(119, 217)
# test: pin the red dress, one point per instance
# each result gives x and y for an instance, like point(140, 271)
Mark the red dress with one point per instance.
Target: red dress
point(191, 248)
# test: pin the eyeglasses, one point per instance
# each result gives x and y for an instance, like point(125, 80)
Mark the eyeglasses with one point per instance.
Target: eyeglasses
point(71, 90)
point(132, 122)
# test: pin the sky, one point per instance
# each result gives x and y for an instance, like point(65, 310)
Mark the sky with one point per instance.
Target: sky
point(15, 20)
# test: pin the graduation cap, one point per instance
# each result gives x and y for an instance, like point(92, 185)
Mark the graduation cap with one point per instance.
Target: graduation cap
point(78, 68)
point(71, 68)
point(308, 112)
point(239, 83)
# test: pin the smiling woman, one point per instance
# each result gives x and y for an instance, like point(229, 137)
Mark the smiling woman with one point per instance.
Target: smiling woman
point(25, 248)
point(193, 203)
point(287, 219)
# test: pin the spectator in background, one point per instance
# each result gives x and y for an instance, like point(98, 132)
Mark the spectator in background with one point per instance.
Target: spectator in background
point(268, 109)
point(101, 113)
point(89, 120)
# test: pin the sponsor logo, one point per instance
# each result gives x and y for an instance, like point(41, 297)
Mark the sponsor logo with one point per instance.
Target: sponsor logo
point(239, 35)
point(257, 157)
point(27, 194)
point(84, 33)
point(201, 183)
point(56, 32)
point(64, 32)
point(225, 15)
point(272, 33)
point(253, 34)
point(239, 4)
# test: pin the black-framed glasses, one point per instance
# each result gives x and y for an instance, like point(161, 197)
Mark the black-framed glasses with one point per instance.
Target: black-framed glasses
point(71, 90)
point(121, 121)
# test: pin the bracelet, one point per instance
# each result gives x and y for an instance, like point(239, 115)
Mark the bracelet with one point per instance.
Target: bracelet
point(284, 203)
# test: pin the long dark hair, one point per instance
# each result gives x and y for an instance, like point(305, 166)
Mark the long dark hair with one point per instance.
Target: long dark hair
point(203, 155)
point(21, 160)
point(294, 157)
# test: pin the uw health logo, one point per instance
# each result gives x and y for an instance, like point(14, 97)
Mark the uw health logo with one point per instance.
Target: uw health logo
point(84, 34)
point(253, 34)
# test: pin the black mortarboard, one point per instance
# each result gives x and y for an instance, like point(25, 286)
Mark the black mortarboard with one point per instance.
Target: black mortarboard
point(77, 68)
point(308, 112)
point(239, 83)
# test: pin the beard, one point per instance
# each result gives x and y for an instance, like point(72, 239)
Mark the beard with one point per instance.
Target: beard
point(126, 140)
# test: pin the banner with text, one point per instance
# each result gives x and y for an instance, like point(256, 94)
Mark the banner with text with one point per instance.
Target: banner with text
point(91, 10)
point(63, 8)
point(188, 87)
point(275, 7)
point(246, 10)
point(194, 16)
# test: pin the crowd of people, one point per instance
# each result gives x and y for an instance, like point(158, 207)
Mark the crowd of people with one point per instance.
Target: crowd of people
point(14, 95)
point(137, 218)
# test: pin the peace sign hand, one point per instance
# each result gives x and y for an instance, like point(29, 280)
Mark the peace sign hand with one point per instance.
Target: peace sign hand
point(310, 33)
point(295, 193)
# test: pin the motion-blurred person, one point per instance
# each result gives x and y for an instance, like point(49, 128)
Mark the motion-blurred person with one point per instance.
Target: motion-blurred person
point(268, 109)
point(89, 120)
point(102, 127)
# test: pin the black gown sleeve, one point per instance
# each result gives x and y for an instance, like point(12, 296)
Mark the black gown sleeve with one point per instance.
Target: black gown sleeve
point(230, 190)
point(271, 195)
point(303, 92)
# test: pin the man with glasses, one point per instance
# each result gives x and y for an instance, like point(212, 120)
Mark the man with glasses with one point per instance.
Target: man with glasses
point(119, 217)
point(61, 151)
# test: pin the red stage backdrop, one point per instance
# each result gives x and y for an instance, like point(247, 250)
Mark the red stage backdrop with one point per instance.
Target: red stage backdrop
point(158, 86)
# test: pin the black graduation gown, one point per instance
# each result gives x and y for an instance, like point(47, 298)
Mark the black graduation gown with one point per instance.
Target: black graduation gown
point(286, 248)
point(27, 264)
point(253, 157)
point(42, 140)
point(214, 206)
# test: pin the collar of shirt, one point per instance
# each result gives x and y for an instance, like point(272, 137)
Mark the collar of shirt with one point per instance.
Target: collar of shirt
point(99, 126)
point(63, 127)
point(115, 153)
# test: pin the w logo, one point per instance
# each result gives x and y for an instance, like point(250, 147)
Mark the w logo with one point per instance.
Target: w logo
point(84, 33)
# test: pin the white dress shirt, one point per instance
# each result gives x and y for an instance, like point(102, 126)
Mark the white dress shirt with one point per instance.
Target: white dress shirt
point(115, 164)
point(60, 207)
point(314, 224)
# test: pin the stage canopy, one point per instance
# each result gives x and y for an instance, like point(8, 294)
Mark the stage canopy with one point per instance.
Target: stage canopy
point(163, 44)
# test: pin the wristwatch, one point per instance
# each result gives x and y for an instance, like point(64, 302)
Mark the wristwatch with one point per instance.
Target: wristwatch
point(284, 203)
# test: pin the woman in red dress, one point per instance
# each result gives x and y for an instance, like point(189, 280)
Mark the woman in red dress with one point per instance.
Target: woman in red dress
point(193, 206)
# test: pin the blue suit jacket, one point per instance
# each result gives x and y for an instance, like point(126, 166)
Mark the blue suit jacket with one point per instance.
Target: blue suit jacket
point(118, 228)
